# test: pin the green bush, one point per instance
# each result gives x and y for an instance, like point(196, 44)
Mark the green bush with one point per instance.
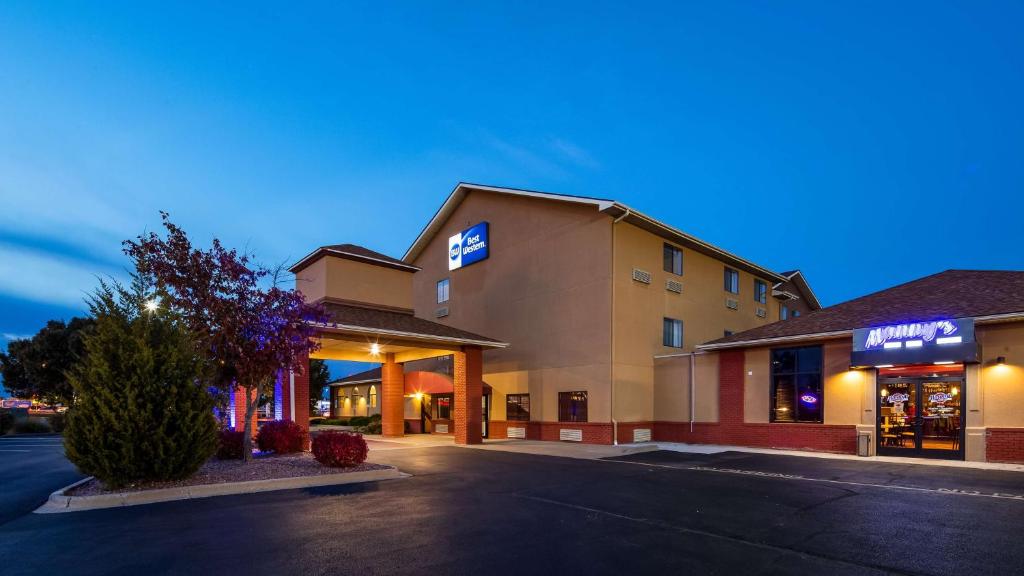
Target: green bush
point(58, 422)
point(141, 413)
point(373, 427)
point(32, 426)
point(358, 421)
point(6, 421)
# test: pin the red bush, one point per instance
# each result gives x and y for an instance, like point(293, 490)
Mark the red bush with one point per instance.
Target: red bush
point(229, 445)
point(282, 436)
point(339, 449)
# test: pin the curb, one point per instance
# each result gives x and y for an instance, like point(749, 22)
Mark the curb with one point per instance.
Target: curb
point(58, 502)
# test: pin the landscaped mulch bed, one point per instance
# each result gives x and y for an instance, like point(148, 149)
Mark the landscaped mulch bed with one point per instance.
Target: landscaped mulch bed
point(222, 471)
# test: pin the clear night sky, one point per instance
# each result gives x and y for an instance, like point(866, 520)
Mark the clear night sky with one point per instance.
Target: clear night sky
point(866, 144)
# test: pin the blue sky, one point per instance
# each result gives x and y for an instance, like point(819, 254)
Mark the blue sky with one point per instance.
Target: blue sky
point(867, 144)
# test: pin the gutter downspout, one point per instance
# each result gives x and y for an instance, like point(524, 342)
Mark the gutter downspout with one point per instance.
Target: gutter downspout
point(611, 407)
point(693, 390)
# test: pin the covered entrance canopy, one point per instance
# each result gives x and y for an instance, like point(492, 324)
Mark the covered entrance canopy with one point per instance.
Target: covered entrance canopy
point(365, 334)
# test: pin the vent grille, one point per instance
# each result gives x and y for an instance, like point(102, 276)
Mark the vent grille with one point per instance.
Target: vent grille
point(516, 433)
point(761, 312)
point(732, 304)
point(441, 312)
point(674, 286)
point(570, 435)
point(441, 428)
point(642, 435)
point(641, 276)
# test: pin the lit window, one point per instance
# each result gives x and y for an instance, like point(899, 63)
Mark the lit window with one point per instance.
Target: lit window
point(673, 260)
point(373, 396)
point(732, 281)
point(672, 333)
point(443, 406)
point(796, 385)
point(517, 407)
point(760, 291)
point(442, 291)
point(572, 406)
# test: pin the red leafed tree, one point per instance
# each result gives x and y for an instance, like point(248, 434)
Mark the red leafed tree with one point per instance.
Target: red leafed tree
point(248, 327)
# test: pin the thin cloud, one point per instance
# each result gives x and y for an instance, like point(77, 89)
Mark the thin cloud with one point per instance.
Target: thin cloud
point(12, 337)
point(573, 153)
point(48, 278)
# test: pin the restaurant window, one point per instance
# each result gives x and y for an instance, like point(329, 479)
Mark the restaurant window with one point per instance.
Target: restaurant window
point(673, 259)
point(517, 407)
point(784, 313)
point(672, 333)
point(442, 291)
point(760, 291)
point(442, 406)
point(797, 385)
point(373, 396)
point(732, 281)
point(572, 406)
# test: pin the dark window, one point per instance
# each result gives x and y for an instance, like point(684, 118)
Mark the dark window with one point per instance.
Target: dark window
point(442, 406)
point(572, 406)
point(728, 333)
point(672, 333)
point(797, 385)
point(796, 313)
point(760, 291)
point(442, 291)
point(673, 260)
point(517, 407)
point(784, 313)
point(732, 281)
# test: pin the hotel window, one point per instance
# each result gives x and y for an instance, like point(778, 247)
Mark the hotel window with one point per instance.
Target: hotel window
point(673, 259)
point(797, 385)
point(442, 291)
point(796, 313)
point(672, 333)
point(760, 291)
point(728, 333)
point(572, 406)
point(517, 407)
point(443, 406)
point(732, 281)
point(784, 313)
point(373, 396)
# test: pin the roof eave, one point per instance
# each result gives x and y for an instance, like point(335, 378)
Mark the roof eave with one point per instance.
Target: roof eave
point(450, 340)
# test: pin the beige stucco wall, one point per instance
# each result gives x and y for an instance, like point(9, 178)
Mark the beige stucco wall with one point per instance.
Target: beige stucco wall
point(1002, 387)
point(756, 384)
point(545, 288)
point(355, 400)
point(672, 388)
point(342, 279)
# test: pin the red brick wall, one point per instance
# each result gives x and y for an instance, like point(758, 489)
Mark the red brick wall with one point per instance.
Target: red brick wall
point(468, 382)
point(301, 394)
point(593, 432)
point(626, 430)
point(1004, 444)
point(497, 429)
point(240, 411)
point(392, 393)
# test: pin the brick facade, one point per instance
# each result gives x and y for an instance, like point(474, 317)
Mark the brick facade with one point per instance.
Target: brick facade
point(301, 395)
point(1004, 445)
point(240, 411)
point(467, 372)
point(392, 386)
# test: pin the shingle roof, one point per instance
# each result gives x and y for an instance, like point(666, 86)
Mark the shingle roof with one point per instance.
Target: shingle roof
point(949, 294)
point(353, 252)
point(373, 374)
point(345, 315)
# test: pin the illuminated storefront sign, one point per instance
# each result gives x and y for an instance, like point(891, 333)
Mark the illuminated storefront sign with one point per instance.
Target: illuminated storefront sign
point(917, 331)
point(940, 397)
point(809, 399)
point(898, 397)
point(927, 342)
point(468, 247)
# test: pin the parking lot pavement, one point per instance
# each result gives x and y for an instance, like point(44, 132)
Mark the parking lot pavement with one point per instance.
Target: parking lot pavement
point(31, 466)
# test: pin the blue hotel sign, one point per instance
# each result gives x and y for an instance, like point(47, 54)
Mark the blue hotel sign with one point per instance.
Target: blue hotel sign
point(468, 247)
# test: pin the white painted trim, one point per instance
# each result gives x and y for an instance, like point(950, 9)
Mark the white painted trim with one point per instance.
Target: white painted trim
point(291, 394)
point(747, 343)
point(441, 339)
point(679, 354)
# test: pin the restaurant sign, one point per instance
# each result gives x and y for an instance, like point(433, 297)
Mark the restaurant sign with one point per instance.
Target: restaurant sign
point(914, 335)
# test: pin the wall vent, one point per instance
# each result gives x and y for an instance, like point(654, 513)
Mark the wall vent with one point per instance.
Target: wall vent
point(441, 312)
point(642, 435)
point(570, 435)
point(761, 313)
point(515, 432)
point(641, 276)
point(732, 303)
point(441, 428)
point(674, 286)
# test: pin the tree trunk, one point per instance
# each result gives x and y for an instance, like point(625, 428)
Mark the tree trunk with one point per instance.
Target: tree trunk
point(251, 402)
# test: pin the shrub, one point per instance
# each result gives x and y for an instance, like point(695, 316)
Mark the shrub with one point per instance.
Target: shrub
point(32, 426)
point(316, 421)
point(282, 437)
point(230, 444)
point(358, 421)
point(58, 422)
point(140, 412)
point(339, 449)
point(371, 428)
point(6, 421)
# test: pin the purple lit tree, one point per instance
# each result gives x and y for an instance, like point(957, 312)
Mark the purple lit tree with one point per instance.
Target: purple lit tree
point(248, 327)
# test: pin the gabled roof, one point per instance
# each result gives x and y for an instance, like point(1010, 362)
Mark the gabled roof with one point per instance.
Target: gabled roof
point(610, 207)
point(376, 321)
point(353, 252)
point(986, 295)
point(371, 375)
point(796, 278)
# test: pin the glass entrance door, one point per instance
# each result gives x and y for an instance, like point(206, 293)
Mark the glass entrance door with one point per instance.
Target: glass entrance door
point(920, 417)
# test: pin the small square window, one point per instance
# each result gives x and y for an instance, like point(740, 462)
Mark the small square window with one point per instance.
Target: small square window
point(673, 259)
point(572, 406)
point(442, 291)
point(672, 333)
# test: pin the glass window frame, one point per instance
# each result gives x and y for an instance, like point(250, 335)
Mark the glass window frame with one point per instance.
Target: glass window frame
point(443, 290)
point(672, 259)
point(760, 291)
point(794, 378)
point(568, 406)
point(731, 279)
point(519, 400)
point(669, 335)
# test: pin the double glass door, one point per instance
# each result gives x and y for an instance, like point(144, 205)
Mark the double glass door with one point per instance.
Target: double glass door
point(920, 417)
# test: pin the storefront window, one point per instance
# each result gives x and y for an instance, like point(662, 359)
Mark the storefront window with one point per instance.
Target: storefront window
point(572, 406)
point(443, 406)
point(797, 385)
point(517, 407)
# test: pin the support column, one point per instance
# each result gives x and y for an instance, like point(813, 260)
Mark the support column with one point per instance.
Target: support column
point(296, 385)
point(468, 376)
point(392, 388)
point(238, 400)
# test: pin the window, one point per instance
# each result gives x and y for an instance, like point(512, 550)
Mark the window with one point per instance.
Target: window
point(796, 313)
point(672, 333)
point(784, 313)
point(760, 291)
point(373, 396)
point(732, 281)
point(796, 385)
point(442, 291)
point(443, 406)
point(517, 407)
point(673, 258)
point(728, 333)
point(572, 406)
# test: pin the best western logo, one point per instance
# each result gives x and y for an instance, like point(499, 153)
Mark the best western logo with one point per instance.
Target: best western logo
point(468, 247)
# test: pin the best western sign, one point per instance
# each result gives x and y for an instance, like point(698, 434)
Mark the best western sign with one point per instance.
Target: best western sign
point(468, 247)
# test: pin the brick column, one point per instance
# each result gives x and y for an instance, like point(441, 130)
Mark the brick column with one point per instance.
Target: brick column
point(392, 397)
point(730, 397)
point(301, 380)
point(239, 396)
point(468, 373)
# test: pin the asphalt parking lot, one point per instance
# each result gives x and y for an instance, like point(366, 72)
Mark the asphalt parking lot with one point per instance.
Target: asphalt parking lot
point(489, 512)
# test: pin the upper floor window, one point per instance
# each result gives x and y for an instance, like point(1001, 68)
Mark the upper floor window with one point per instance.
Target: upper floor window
point(672, 333)
point(572, 406)
point(728, 333)
point(517, 407)
point(760, 291)
point(442, 291)
point(673, 259)
point(784, 312)
point(797, 385)
point(796, 313)
point(732, 281)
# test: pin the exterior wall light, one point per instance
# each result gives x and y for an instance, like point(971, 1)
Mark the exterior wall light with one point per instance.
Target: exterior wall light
point(1001, 361)
point(375, 349)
